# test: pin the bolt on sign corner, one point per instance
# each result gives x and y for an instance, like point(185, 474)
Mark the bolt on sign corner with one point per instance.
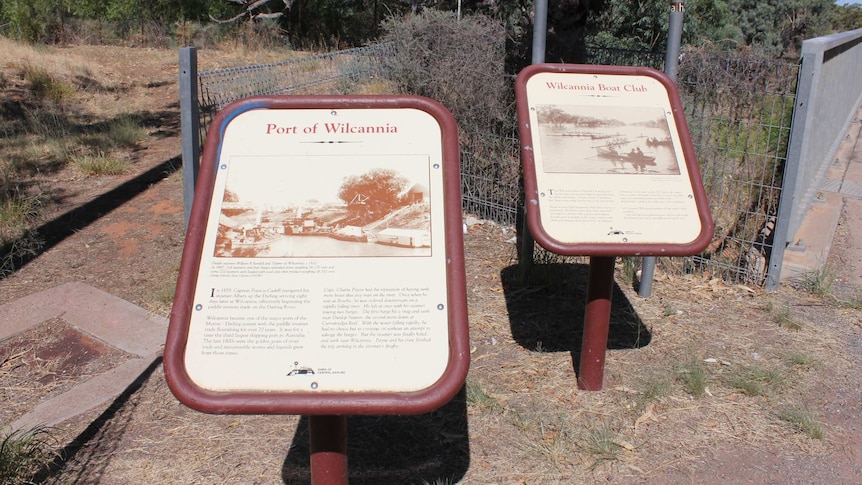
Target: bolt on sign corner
point(323, 270)
point(609, 167)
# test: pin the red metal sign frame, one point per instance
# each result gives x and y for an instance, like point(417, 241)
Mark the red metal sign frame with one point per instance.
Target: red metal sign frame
point(531, 188)
point(322, 403)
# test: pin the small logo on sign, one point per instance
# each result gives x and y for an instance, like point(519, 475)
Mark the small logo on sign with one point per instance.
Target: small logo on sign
point(299, 370)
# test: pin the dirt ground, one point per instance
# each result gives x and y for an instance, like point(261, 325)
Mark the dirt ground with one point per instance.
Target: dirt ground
point(520, 418)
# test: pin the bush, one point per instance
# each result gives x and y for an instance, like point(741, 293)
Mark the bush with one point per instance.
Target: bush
point(23, 453)
point(458, 62)
point(461, 64)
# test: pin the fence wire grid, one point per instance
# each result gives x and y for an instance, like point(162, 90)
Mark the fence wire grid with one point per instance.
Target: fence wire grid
point(738, 108)
point(339, 72)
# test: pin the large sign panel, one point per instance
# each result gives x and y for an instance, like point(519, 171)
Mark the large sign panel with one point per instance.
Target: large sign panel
point(608, 162)
point(323, 270)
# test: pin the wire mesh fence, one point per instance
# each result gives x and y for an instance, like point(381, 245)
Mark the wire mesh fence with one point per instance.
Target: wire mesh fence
point(612, 56)
point(490, 177)
point(340, 72)
point(738, 107)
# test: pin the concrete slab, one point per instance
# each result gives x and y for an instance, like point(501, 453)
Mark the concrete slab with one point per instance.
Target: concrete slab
point(82, 398)
point(810, 250)
point(103, 316)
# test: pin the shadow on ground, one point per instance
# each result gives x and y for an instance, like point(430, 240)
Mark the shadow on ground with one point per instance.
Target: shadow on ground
point(18, 253)
point(91, 450)
point(546, 305)
point(426, 448)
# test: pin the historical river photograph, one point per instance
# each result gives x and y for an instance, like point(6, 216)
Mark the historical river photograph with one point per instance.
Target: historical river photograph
point(606, 140)
point(300, 207)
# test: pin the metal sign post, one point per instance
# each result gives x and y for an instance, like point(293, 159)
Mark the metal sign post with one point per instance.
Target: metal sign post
point(671, 67)
point(597, 317)
point(328, 444)
point(609, 170)
point(323, 269)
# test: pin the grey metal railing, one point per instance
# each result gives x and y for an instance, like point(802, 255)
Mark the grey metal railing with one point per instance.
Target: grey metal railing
point(829, 95)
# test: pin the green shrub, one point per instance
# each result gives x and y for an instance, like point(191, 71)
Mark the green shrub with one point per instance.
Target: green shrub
point(45, 87)
point(24, 452)
point(101, 165)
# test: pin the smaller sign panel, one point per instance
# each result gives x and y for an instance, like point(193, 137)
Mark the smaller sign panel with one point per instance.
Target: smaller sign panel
point(323, 269)
point(609, 168)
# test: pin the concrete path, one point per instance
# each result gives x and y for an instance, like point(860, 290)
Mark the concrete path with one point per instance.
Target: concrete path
point(102, 316)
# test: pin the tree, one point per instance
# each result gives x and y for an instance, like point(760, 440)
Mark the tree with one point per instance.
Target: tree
point(643, 24)
point(339, 23)
point(33, 20)
point(711, 21)
point(632, 24)
point(230, 196)
point(847, 17)
point(779, 26)
point(374, 194)
point(772, 26)
point(255, 10)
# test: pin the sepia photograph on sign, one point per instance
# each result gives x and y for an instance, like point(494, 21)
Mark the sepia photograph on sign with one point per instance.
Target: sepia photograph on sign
point(349, 206)
point(606, 140)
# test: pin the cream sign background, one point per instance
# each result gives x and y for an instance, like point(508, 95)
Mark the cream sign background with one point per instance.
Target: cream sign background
point(288, 296)
point(608, 163)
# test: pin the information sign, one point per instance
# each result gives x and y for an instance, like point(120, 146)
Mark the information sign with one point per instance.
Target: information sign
point(609, 167)
point(323, 269)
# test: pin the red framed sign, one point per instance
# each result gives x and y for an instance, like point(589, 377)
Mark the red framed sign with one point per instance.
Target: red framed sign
point(323, 269)
point(609, 167)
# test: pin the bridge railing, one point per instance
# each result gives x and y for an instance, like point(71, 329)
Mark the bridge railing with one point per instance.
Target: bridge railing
point(829, 94)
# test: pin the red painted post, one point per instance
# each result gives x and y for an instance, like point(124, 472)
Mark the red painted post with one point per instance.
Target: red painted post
point(328, 437)
point(597, 318)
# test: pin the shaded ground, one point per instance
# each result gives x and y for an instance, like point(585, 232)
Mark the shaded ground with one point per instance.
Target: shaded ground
point(520, 418)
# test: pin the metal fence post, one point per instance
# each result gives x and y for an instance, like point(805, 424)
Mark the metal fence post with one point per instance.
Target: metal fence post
point(540, 35)
point(189, 124)
point(671, 67)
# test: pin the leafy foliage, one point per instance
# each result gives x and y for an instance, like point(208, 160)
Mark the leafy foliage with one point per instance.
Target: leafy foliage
point(632, 24)
point(23, 452)
point(373, 194)
point(776, 26)
point(847, 17)
point(50, 21)
point(32, 19)
point(773, 27)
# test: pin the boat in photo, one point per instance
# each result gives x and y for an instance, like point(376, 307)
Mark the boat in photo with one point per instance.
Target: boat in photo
point(635, 157)
point(349, 233)
point(654, 142)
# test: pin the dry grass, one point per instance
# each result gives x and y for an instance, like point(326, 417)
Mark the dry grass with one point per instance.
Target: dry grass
point(715, 371)
point(702, 369)
point(65, 118)
point(65, 65)
point(100, 164)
